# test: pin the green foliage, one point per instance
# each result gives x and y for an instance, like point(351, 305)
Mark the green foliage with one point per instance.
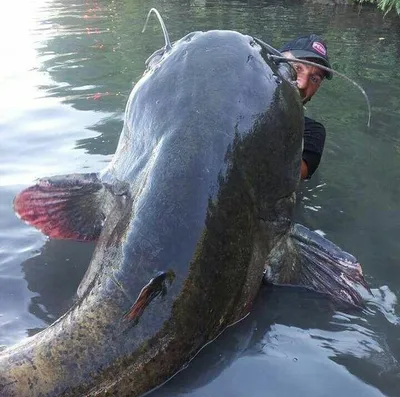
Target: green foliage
point(388, 5)
point(385, 5)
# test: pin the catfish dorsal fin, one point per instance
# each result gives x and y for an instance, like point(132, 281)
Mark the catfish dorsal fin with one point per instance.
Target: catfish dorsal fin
point(167, 46)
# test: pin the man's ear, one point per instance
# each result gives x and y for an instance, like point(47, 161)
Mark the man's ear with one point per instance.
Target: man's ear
point(288, 54)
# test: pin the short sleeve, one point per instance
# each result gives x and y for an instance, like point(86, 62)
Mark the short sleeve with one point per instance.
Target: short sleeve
point(314, 141)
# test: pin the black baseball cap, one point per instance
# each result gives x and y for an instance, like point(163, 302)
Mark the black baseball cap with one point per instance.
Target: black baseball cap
point(310, 46)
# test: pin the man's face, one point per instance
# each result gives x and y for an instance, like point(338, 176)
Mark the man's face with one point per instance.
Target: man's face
point(309, 78)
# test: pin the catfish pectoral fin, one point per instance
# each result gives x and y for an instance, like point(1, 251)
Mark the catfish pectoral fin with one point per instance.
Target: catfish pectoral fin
point(314, 262)
point(67, 207)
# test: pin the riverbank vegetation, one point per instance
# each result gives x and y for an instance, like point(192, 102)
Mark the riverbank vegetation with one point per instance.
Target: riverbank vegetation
point(384, 5)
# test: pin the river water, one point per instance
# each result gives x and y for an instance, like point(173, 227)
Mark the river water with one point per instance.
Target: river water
point(66, 70)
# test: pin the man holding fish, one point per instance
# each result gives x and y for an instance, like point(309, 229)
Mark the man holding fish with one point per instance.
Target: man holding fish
point(309, 78)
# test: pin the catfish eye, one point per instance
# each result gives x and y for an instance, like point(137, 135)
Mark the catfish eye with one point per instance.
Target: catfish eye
point(154, 58)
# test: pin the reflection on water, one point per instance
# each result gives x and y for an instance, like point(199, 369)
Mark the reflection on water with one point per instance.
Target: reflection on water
point(68, 71)
point(316, 352)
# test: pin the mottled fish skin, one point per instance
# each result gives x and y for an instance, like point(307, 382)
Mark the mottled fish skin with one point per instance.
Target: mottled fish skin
point(210, 150)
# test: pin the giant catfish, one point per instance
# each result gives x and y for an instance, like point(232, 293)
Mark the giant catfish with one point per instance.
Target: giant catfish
point(195, 206)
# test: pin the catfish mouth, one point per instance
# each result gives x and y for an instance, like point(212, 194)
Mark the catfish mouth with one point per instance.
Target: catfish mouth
point(155, 60)
point(285, 70)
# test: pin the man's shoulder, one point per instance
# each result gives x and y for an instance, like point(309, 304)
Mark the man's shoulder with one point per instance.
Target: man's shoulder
point(314, 127)
point(314, 136)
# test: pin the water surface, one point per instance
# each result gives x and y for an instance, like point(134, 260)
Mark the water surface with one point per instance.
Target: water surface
point(66, 71)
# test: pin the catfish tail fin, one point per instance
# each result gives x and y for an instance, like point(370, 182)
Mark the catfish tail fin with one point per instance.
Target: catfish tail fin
point(307, 259)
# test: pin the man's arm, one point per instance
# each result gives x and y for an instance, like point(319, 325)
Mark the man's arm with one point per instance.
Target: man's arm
point(304, 170)
point(314, 141)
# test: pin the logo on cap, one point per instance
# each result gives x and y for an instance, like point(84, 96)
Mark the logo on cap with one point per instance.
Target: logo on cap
point(320, 48)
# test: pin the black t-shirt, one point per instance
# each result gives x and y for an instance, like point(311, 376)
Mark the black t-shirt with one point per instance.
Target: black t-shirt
point(314, 141)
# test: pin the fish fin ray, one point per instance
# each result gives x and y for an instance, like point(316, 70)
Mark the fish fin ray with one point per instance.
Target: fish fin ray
point(64, 207)
point(318, 264)
point(157, 286)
